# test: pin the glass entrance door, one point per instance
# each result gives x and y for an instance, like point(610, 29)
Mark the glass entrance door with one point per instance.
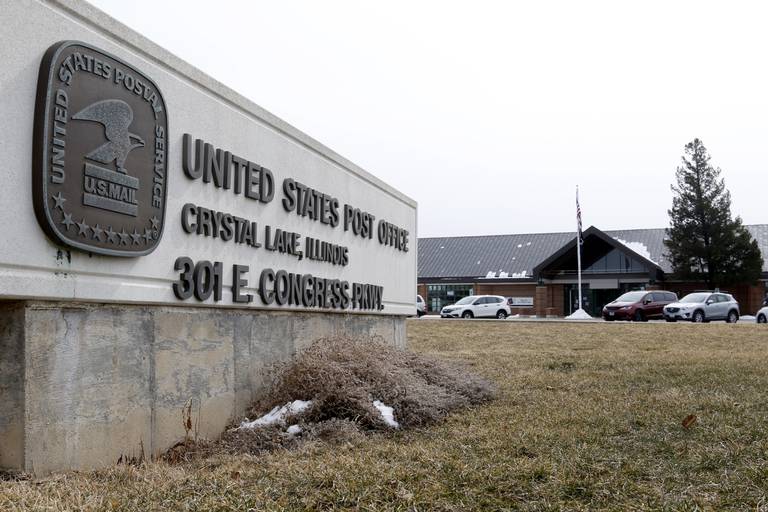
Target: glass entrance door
point(572, 298)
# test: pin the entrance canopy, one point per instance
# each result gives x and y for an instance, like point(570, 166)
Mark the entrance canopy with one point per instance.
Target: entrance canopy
point(601, 256)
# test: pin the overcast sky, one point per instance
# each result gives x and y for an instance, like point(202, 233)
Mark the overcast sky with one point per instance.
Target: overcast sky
point(490, 113)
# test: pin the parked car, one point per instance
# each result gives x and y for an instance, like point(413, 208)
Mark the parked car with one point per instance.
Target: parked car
point(477, 306)
point(638, 306)
point(421, 307)
point(762, 316)
point(704, 307)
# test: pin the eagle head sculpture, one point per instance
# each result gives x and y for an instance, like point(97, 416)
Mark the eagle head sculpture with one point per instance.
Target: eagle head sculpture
point(116, 116)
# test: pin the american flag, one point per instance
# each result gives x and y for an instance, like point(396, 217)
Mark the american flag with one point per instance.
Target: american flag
point(578, 217)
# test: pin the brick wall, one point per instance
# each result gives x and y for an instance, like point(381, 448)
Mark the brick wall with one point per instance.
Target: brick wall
point(541, 302)
point(558, 299)
point(550, 300)
point(510, 290)
point(506, 289)
point(750, 297)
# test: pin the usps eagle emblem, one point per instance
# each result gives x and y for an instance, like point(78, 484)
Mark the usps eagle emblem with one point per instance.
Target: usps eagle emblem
point(101, 132)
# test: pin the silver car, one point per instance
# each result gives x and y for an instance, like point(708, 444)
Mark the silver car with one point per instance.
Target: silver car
point(703, 307)
point(762, 316)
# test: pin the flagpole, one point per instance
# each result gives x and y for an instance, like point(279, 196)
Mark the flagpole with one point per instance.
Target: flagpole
point(578, 244)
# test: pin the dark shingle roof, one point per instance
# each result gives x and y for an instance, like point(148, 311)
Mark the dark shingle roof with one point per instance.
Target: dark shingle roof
point(475, 256)
point(652, 239)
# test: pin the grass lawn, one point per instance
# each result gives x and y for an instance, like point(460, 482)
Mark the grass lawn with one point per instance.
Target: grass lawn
point(588, 417)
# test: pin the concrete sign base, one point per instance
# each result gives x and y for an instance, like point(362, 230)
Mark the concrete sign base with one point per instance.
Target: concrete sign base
point(83, 384)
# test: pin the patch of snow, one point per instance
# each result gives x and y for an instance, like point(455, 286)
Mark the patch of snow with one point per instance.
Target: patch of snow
point(748, 318)
point(512, 317)
point(503, 274)
point(638, 247)
point(490, 275)
point(528, 244)
point(387, 414)
point(278, 414)
point(519, 246)
point(294, 430)
point(519, 275)
point(579, 314)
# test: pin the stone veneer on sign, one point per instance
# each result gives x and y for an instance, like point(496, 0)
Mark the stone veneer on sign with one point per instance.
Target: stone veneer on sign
point(83, 384)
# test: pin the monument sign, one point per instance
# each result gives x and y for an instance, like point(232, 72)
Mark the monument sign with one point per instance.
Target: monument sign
point(165, 241)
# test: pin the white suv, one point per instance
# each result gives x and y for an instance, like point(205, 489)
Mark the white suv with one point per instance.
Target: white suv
point(478, 306)
point(703, 307)
point(421, 307)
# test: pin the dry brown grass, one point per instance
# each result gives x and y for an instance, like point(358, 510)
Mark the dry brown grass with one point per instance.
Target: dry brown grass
point(588, 417)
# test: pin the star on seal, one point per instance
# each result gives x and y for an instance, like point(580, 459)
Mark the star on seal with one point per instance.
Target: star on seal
point(68, 220)
point(123, 237)
point(111, 235)
point(97, 231)
point(83, 228)
point(59, 199)
point(136, 237)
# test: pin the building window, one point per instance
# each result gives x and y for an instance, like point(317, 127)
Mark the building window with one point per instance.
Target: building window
point(440, 295)
point(615, 262)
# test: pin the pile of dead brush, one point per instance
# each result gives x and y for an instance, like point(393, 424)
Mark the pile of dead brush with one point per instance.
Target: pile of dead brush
point(342, 378)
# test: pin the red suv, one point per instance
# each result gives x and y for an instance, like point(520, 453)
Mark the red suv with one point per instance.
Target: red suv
point(638, 306)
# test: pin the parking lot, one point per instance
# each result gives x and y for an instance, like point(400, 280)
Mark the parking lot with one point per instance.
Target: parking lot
point(744, 320)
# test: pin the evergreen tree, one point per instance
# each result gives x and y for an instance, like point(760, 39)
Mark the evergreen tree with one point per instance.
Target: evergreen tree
point(704, 242)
